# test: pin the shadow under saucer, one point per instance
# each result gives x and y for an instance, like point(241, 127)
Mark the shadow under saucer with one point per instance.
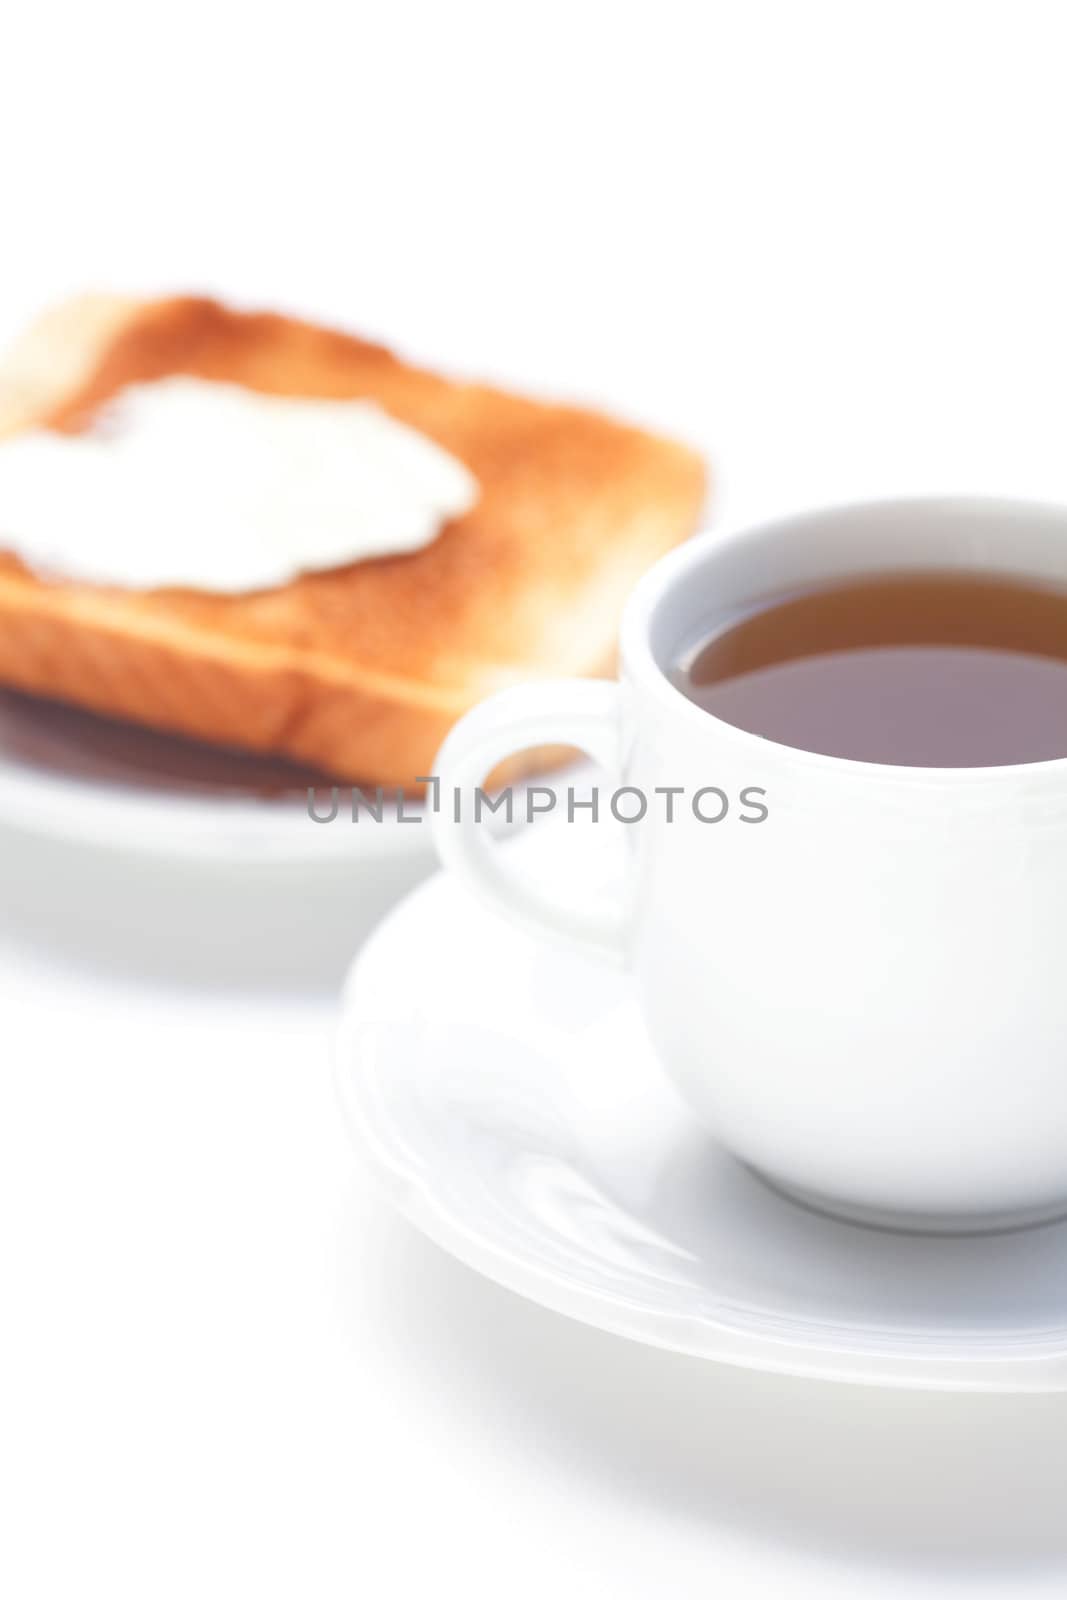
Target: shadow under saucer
point(899, 1482)
point(246, 925)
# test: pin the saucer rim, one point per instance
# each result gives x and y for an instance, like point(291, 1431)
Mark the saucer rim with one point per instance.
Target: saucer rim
point(220, 827)
point(1038, 1367)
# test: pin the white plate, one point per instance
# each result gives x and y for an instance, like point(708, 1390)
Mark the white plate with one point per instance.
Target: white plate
point(506, 1094)
point(86, 780)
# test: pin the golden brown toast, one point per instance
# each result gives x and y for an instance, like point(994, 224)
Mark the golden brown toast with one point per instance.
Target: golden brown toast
point(361, 670)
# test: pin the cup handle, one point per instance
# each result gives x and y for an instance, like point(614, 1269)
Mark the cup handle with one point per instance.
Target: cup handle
point(576, 711)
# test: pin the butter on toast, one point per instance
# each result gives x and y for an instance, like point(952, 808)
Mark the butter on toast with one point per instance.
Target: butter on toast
point(360, 670)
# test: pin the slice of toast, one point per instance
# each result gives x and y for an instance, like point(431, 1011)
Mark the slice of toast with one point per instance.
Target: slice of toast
point(360, 670)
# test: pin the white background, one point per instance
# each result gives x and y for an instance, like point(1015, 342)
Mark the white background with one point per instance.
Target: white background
point(825, 242)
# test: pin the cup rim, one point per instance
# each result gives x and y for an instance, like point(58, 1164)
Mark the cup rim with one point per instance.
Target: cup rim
point(638, 658)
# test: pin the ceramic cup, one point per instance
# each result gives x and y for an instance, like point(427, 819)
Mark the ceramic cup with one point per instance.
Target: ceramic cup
point(863, 994)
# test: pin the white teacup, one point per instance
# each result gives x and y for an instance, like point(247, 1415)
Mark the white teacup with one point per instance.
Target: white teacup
point(864, 996)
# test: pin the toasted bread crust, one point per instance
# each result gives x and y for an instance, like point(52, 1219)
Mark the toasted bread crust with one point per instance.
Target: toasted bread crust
point(360, 670)
point(57, 356)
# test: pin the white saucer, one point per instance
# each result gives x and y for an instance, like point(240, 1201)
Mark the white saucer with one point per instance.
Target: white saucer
point(506, 1094)
point(85, 780)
